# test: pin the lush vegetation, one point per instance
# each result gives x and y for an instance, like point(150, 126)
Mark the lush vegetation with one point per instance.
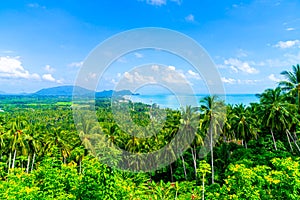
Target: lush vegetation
point(256, 156)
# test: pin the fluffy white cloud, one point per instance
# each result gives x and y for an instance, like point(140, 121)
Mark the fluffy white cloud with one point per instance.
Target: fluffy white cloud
point(228, 80)
point(272, 77)
point(287, 44)
point(236, 64)
point(192, 74)
point(172, 68)
point(239, 81)
point(48, 77)
point(190, 18)
point(165, 76)
point(138, 55)
point(155, 67)
point(138, 78)
point(11, 67)
point(49, 69)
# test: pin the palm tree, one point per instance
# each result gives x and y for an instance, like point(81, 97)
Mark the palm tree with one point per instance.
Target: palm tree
point(213, 116)
point(243, 124)
point(2, 140)
point(190, 124)
point(292, 82)
point(277, 114)
point(16, 127)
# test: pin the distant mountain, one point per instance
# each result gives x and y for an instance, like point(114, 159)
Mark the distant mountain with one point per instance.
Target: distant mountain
point(68, 91)
point(1, 92)
point(61, 91)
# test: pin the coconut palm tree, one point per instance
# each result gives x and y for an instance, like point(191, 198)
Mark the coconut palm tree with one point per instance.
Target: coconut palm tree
point(16, 127)
point(243, 124)
point(213, 116)
point(277, 114)
point(292, 82)
point(190, 124)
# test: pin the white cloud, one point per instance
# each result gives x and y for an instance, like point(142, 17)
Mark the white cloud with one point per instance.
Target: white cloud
point(190, 18)
point(157, 2)
point(287, 44)
point(138, 78)
point(192, 74)
point(242, 53)
point(234, 69)
point(248, 82)
point(49, 69)
point(76, 64)
point(59, 81)
point(160, 2)
point(292, 59)
point(48, 77)
point(11, 67)
point(239, 81)
point(228, 80)
point(236, 64)
point(92, 75)
point(155, 67)
point(114, 82)
point(138, 55)
point(172, 68)
point(290, 29)
point(272, 77)
point(122, 60)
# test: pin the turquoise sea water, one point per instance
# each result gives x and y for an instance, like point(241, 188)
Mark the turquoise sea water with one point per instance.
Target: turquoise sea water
point(175, 102)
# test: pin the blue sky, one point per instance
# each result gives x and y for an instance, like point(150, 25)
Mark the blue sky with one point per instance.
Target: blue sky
point(43, 43)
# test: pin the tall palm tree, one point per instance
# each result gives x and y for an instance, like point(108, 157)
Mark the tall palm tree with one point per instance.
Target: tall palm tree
point(292, 82)
point(190, 124)
point(213, 116)
point(277, 114)
point(16, 127)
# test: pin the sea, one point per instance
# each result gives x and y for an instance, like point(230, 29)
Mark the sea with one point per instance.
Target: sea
point(178, 101)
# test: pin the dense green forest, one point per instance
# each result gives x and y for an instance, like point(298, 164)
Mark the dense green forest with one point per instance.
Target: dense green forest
point(44, 155)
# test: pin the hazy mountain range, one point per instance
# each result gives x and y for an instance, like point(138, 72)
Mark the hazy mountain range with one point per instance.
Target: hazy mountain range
point(68, 91)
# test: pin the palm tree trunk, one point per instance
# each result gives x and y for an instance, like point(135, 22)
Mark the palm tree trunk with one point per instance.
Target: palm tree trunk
point(274, 139)
point(286, 131)
point(32, 163)
point(194, 162)
point(80, 165)
point(295, 136)
point(184, 169)
point(14, 159)
point(295, 142)
point(212, 159)
point(9, 160)
point(171, 170)
point(28, 162)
